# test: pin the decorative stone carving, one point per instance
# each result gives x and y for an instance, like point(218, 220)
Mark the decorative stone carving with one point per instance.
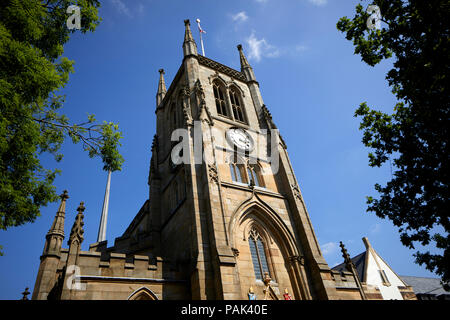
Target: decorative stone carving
point(203, 112)
point(296, 191)
point(212, 172)
point(76, 234)
point(235, 252)
point(295, 259)
point(187, 113)
point(267, 279)
point(155, 143)
point(348, 261)
point(268, 116)
point(269, 293)
point(221, 68)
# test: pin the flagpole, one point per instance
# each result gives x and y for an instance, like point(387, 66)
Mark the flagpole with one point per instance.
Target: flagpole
point(201, 41)
point(201, 38)
point(103, 221)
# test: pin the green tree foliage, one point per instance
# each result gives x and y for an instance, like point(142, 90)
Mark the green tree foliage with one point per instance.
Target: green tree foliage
point(32, 71)
point(415, 137)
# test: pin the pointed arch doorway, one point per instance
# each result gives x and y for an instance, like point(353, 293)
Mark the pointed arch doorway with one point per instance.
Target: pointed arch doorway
point(142, 294)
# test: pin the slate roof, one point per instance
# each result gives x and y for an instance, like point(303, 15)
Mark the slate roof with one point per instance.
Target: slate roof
point(360, 264)
point(422, 285)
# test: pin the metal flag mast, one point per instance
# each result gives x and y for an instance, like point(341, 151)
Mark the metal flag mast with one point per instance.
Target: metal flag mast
point(200, 30)
point(102, 228)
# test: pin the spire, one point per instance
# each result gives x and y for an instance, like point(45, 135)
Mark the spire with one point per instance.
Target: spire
point(103, 221)
point(76, 234)
point(189, 45)
point(58, 223)
point(244, 62)
point(161, 88)
point(55, 235)
point(245, 66)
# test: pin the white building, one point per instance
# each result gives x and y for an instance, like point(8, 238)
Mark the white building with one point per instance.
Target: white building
point(376, 273)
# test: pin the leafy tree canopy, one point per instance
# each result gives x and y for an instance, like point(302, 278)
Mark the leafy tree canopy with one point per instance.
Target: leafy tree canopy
point(415, 137)
point(32, 71)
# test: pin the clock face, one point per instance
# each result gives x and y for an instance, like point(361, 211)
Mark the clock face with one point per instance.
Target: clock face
point(240, 138)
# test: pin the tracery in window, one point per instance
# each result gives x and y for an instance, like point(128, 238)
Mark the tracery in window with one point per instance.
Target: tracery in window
point(220, 99)
point(237, 170)
point(254, 175)
point(258, 253)
point(236, 106)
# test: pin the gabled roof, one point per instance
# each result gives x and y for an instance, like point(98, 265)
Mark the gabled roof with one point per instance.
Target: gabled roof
point(422, 285)
point(360, 264)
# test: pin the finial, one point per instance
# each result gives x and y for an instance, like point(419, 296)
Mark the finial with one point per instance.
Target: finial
point(81, 208)
point(161, 71)
point(64, 195)
point(186, 22)
point(25, 294)
point(239, 46)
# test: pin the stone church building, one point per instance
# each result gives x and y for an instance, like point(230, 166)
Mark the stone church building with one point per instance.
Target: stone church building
point(230, 226)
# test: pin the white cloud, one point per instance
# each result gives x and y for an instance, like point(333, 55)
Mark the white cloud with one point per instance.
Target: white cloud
point(260, 48)
point(318, 2)
point(121, 7)
point(300, 48)
point(239, 17)
point(261, 1)
point(376, 228)
point(140, 8)
point(329, 248)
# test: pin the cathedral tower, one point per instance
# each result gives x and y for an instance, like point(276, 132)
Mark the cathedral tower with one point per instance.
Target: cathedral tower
point(233, 210)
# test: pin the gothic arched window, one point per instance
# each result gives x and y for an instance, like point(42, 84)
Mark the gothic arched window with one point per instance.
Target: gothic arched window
point(237, 171)
point(236, 105)
point(258, 253)
point(219, 96)
point(254, 175)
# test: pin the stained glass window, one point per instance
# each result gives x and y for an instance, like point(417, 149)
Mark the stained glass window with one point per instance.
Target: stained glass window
point(258, 254)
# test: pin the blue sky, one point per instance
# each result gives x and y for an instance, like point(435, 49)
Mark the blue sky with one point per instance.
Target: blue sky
point(309, 78)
